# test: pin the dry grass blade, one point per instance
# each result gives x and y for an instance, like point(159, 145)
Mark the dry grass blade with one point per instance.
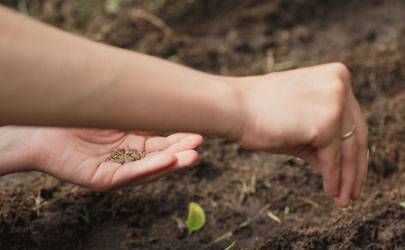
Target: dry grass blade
point(309, 201)
point(274, 217)
point(245, 223)
point(230, 246)
point(154, 20)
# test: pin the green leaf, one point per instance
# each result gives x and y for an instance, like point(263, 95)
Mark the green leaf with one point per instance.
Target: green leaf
point(196, 217)
point(402, 204)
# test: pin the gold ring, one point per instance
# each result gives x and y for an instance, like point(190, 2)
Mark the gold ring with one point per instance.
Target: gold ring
point(350, 133)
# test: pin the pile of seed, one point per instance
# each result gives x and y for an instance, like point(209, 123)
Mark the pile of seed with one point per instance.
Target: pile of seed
point(122, 155)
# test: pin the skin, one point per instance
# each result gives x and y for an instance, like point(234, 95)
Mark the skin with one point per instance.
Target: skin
point(79, 155)
point(52, 78)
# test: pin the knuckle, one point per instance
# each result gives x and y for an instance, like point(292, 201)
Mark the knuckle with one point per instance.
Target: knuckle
point(339, 88)
point(342, 71)
point(335, 103)
point(335, 112)
point(315, 135)
point(337, 92)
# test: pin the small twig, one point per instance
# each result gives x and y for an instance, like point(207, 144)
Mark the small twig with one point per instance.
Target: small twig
point(253, 184)
point(274, 217)
point(230, 246)
point(309, 201)
point(39, 203)
point(180, 223)
point(241, 225)
point(221, 238)
point(247, 189)
point(154, 20)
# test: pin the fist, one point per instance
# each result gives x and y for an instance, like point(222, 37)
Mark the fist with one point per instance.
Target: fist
point(310, 113)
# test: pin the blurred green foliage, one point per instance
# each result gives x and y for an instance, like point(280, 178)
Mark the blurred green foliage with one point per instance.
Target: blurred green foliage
point(9, 2)
point(21, 5)
point(85, 8)
point(14, 3)
point(112, 6)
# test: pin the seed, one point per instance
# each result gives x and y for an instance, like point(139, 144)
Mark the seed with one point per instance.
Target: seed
point(122, 155)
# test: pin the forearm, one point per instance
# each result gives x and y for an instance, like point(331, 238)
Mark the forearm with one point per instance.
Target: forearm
point(49, 77)
point(183, 99)
point(16, 153)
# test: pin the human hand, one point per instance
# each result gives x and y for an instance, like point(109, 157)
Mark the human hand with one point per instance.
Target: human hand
point(79, 155)
point(305, 113)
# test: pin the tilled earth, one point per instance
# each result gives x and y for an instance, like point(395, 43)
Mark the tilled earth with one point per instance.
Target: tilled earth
point(237, 188)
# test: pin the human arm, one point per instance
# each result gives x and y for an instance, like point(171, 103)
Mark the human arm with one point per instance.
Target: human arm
point(53, 78)
point(302, 112)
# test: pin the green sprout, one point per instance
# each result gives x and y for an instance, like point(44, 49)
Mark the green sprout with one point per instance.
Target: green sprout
point(196, 217)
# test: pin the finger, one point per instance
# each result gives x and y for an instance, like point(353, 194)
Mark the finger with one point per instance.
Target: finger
point(329, 160)
point(132, 171)
point(348, 171)
point(185, 159)
point(362, 149)
point(156, 144)
point(178, 136)
point(349, 158)
point(188, 142)
point(162, 143)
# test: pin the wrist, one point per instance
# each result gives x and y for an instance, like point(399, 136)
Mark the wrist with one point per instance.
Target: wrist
point(235, 108)
point(16, 153)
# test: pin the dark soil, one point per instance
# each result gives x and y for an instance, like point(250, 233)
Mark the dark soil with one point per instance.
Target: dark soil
point(234, 185)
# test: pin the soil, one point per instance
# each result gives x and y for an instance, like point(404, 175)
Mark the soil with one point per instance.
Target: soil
point(233, 185)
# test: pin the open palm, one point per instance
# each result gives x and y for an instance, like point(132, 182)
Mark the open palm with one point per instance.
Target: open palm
point(79, 155)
